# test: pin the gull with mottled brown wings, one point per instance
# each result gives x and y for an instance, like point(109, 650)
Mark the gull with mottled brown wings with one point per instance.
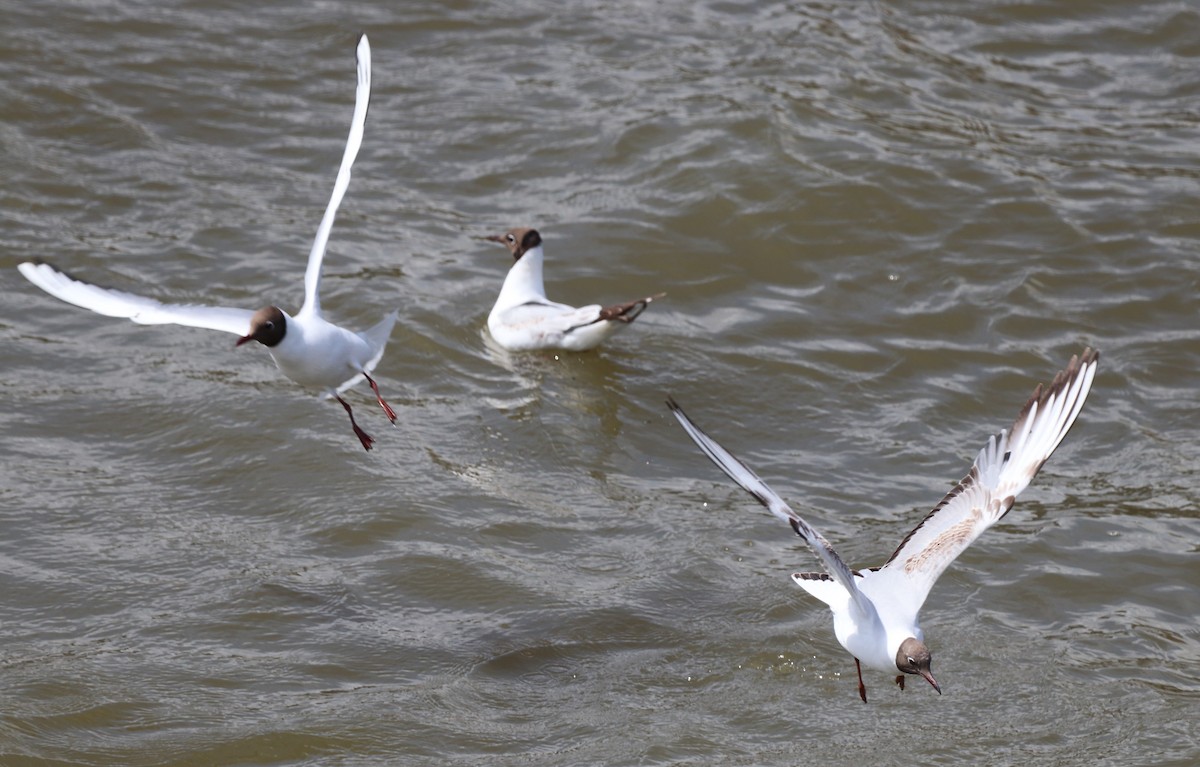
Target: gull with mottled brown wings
point(876, 611)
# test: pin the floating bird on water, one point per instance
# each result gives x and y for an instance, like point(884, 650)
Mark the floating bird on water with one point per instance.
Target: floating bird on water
point(875, 611)
point(524, 319)
point(308, 349)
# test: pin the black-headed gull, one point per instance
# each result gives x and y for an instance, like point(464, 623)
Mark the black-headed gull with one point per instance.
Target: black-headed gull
point(875, 611)
point(524, 319)
point(308, 349)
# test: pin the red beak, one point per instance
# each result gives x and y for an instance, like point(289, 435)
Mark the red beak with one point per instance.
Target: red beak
point(243, 340)
point(929, 678)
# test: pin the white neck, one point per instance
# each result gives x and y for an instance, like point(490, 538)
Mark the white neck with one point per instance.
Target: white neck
point(524, 281)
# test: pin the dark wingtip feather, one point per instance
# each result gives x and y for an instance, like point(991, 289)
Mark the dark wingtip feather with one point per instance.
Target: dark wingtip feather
point(627, 312)
point(1062, 380)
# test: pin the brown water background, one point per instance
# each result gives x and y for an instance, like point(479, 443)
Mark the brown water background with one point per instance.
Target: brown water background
point(878, 225)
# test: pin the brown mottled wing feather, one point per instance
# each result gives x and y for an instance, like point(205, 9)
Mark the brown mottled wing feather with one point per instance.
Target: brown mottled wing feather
point(749, 481)
point(627, 312)
point(1003, 468)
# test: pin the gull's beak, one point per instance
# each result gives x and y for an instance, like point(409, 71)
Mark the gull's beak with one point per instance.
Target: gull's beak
point(929, 678)
point(495, 238)
point(243, 340)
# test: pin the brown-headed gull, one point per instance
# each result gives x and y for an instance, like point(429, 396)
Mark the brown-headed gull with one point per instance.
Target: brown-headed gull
point(875, 611)
point(524, 319)
point(308, 349)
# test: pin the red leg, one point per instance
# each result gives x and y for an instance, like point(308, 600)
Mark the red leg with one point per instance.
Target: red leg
point(363, 437)
point(862, 688)
point(387, 409)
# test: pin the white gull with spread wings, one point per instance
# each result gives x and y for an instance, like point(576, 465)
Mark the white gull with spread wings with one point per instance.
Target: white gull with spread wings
point(308, 349)
point(875, 612)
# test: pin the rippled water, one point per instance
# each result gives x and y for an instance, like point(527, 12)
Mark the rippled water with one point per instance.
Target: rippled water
point(878, 225)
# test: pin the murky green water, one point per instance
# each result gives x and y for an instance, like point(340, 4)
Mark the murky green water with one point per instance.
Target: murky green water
point(878, 225)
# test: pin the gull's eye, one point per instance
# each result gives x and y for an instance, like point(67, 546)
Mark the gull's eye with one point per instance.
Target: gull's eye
point(912, 662)
point(511, 238)
point(270, 325)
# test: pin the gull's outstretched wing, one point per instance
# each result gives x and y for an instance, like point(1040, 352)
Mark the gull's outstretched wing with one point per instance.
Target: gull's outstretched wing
point(749, 481)
point(146, 311)
point(1003, 468)
point(362, 98)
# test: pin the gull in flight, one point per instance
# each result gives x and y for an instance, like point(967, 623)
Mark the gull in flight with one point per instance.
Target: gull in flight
point(875, 611)
point(524, 319)
point(308, 349)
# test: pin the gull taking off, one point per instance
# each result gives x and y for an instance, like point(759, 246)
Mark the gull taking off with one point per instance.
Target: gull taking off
point(309, 350)
point(875, 611)
point(524, 319)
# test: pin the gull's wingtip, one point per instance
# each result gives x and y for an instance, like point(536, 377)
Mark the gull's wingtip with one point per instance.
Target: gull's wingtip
point(1088, 358)
point(31, 270)
point(41, 273)
point(1086, 366)
point(680, 416)
point(1081, 366)
point(362, 56)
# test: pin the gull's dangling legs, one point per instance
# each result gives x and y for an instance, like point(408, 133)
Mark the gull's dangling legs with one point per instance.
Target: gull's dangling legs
point(862, 688)
point(363, 437)
point(387, 409)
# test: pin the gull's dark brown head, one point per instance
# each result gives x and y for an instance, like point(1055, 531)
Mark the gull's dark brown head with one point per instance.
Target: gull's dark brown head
point(518, 241)
point(914, 658)
point(268, 326)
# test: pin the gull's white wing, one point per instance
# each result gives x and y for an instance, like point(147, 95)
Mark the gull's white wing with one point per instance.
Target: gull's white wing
point(362, 97)
point(749, 481)
point(1004, 467)
point(549, 317)
point(146, 311)
point(541, 324)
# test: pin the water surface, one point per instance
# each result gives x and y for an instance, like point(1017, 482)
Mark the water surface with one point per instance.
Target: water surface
point(878, 225)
